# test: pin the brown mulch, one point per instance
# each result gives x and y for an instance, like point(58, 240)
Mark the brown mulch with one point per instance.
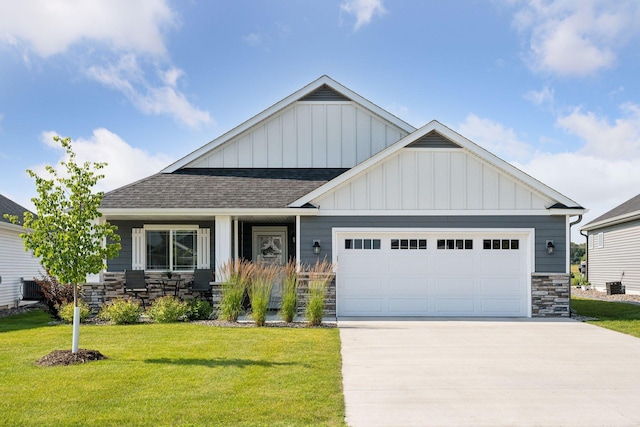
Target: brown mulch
point(66, 357)
point(268, 324)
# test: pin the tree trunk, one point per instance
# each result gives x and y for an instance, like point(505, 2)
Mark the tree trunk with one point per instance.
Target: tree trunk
point(76, 320)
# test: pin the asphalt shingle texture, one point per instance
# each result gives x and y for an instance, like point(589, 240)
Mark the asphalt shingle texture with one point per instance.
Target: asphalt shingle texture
point(10, 207)
point(630, 206)
point(220, 188)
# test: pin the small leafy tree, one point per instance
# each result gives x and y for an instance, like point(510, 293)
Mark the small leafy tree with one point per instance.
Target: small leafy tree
point(66, 232)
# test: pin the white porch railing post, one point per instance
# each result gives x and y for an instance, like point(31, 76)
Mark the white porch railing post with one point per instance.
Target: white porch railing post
point(223, 242)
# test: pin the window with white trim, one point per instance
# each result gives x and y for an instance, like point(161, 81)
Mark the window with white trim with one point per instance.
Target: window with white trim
point(600, 240)
point(362, 244)
point(170, 248)
point(420, 244)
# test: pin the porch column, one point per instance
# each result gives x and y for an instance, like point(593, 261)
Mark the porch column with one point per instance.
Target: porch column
point(222, 242)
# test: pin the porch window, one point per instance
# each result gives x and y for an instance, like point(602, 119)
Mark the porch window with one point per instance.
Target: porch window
point(170, 249)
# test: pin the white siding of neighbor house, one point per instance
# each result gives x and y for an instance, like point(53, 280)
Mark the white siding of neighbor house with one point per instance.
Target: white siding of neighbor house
point(308, 134)
point(432, 179)
point(620, 252)
point(15, 263)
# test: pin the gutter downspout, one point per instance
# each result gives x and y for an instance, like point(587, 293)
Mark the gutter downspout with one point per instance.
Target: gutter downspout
point(577, 221)
point(586, 251)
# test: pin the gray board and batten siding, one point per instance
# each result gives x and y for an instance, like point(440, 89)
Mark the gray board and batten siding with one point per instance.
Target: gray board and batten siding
point(546, 228)
point(123, 260)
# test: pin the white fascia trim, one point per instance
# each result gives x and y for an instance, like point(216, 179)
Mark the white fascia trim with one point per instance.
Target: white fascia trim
point(282, 105)
point(177, 212)
point(456, 138)
point(612, 221)
point(476, 212)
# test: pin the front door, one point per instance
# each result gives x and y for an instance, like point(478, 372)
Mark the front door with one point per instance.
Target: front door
point(270, 247)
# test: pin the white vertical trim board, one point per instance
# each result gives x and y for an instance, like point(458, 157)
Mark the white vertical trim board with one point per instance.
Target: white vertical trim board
point(223, 239)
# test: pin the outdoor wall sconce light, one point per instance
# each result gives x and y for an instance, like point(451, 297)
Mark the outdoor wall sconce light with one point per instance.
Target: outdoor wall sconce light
point(316, 247)
point(550, 247)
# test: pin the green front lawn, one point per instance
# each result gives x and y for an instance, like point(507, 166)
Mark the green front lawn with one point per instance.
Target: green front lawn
point(171, 375)
point(621, 317)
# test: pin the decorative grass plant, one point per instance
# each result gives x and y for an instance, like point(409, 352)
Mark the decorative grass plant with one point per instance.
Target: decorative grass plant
point(236, 275)
point(259, 291)
point(289, 291)
point(320, 275)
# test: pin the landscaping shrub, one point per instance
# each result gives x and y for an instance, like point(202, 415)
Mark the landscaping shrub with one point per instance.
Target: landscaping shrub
point(121, 311)
point(55, 294)
point(320, 275)
point(235, 279)
point(259, 291)
point(167, 309)
point(198, 309)
point(66, 312)
point(289, 292)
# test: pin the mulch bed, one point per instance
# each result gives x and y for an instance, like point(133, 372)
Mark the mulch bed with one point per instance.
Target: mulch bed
point(66, 357)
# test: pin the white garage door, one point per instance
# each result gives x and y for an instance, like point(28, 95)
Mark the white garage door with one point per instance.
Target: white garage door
point(433, 273)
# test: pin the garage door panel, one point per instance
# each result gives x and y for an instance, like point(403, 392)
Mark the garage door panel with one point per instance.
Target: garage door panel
point(498, 263)
point(407, 286)
point(408, 306)
point(362, 306)
point(502, 286)
point(454, 286)
point(455, 306)
point(502, 306)
point(353, 263)
point(401, 263)
point(365, 286)
point(409, 279)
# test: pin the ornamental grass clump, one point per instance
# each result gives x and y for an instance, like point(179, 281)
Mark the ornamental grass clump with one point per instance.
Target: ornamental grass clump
point(289, 291)
point(167, 309)
point(121, 311)
point(259, 291)
point(320, 275)
point(235, 275)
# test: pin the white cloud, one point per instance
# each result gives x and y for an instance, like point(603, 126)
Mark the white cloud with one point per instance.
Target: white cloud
point(363, 10)
point(601, 174)
point(543, 96)
point(125, 164)
point(127, 77)
point(576, 38)
point(51, 27)
point(495, 138)
point(617, 141)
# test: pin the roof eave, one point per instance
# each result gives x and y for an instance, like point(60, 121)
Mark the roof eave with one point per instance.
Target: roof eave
point(458, 139)
point(620, 219)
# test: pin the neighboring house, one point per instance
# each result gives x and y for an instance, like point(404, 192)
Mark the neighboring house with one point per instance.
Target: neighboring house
point(613, 247)
point(421, 222)
point(16, 264)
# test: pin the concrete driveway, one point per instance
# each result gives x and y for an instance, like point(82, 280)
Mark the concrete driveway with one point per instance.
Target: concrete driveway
point(489, 372)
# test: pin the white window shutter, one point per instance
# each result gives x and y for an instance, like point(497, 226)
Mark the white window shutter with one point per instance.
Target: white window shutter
point(138, 249)
point(204, 248)
point(590, 241)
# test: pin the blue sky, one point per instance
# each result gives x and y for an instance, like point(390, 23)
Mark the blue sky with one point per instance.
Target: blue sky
point(550, 86)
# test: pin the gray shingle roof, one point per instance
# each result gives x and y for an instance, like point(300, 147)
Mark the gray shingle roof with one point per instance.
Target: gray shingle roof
point(220, 188)
point(10, 207)
point(630, 206)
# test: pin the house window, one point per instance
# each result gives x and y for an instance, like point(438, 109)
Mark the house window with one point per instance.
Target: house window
point(501, 244)
point(362, 243)
point(170, 248)
point(174, 250)
point(455, 244)
point(409, 244)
